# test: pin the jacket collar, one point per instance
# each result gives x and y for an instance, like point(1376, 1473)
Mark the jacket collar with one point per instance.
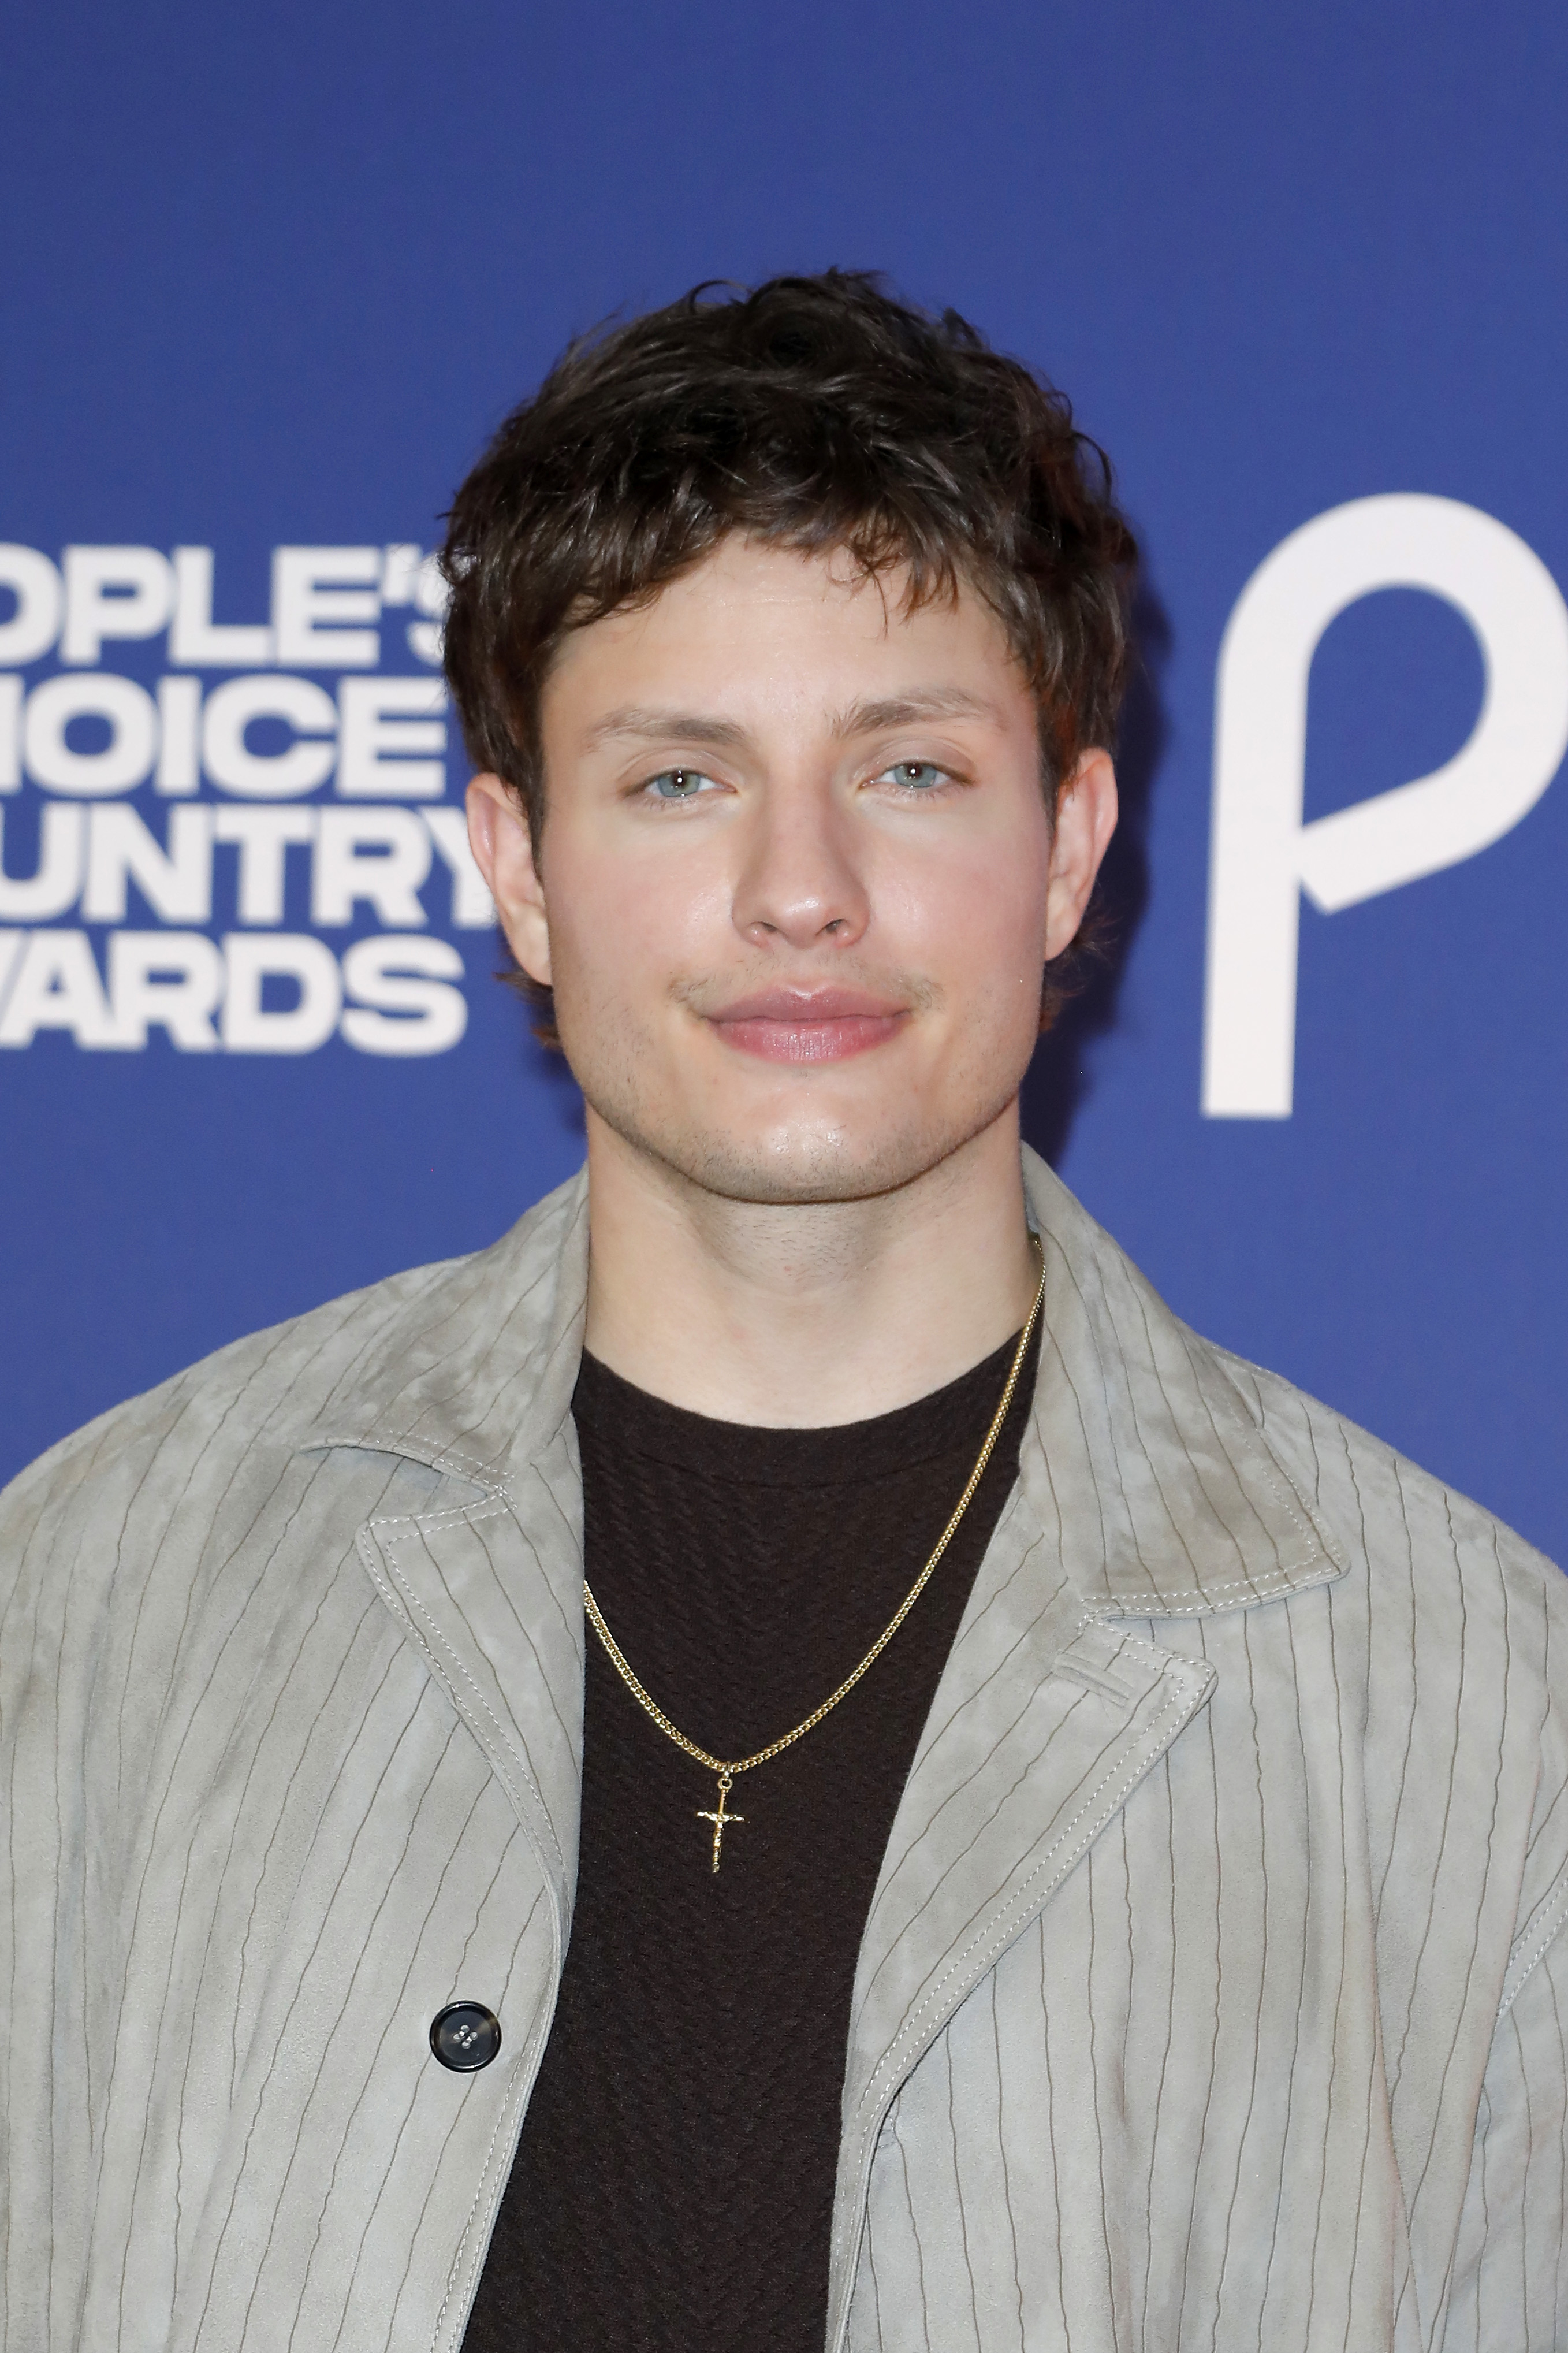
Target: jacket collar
point(472, 1375)
point(475, 1374)
point(1140, 1461)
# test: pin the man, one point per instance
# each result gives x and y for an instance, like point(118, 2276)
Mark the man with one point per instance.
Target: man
point(1035, 1833)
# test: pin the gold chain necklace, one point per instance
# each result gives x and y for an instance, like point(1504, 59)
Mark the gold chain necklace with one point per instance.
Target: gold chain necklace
point(728, 1773)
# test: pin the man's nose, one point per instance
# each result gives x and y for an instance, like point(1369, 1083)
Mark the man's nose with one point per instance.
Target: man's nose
point(800, 881)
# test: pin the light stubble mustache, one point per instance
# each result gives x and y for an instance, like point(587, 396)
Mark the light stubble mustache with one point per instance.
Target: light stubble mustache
point(708, 995)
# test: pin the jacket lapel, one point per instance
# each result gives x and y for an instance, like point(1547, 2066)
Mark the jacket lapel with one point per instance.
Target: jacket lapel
point(475, 1381)
point(1045, 1721)
point(1145, 1492)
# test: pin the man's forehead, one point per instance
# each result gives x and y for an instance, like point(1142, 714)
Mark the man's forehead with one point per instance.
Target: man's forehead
point(753, 618)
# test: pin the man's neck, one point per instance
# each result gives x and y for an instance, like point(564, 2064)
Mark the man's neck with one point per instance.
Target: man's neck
point(800, 1316)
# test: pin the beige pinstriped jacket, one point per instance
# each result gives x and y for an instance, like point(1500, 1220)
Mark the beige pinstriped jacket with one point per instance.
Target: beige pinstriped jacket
point(1212, 1994)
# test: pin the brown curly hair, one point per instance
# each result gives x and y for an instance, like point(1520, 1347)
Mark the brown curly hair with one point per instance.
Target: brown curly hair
point(818, 413)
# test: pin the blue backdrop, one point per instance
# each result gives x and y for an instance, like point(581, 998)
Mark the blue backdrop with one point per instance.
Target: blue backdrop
point(272, 276)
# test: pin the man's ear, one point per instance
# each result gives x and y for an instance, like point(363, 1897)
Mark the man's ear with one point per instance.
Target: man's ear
point(502, 844)
point(1086, 820)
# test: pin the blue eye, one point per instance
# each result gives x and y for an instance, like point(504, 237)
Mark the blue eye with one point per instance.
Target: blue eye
point(917, 775)
point(676, 784)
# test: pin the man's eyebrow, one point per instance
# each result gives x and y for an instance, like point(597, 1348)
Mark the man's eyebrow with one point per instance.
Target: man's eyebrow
point(646, 725)
point(901, 710)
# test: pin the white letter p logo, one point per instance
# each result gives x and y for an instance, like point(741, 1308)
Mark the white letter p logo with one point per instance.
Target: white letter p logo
point(1262, 855)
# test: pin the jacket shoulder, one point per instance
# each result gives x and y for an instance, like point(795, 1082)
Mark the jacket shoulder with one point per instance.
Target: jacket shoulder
point(1381, 1505)
point(257, 1393)
point(1461, 1628)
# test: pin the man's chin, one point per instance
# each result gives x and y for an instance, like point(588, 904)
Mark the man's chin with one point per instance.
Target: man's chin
point(799, 1170)
point(799, 1180)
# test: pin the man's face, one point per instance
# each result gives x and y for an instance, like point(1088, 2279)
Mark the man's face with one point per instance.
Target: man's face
point(798, 878)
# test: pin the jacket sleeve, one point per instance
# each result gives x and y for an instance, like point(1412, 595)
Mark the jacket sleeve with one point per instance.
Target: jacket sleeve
point(84, 1661)
point(1510, 2286)
point(48, 1943)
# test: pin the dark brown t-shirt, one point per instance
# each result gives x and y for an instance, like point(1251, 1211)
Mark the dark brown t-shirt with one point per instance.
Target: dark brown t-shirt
point(674, 2183)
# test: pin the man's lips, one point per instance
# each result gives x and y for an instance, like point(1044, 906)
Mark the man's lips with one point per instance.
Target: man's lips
point(789, 1026)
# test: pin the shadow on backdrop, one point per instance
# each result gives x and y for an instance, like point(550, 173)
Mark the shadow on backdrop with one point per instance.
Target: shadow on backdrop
point(1059, 1078)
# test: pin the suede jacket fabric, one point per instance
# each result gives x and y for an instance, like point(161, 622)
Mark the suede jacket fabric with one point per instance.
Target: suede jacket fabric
point(1211, 1993)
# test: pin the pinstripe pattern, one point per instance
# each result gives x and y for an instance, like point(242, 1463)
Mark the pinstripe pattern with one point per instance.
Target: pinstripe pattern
point(1211, 1993)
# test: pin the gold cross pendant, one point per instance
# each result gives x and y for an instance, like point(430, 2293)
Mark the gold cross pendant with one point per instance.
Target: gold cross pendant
point(720, 1820)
